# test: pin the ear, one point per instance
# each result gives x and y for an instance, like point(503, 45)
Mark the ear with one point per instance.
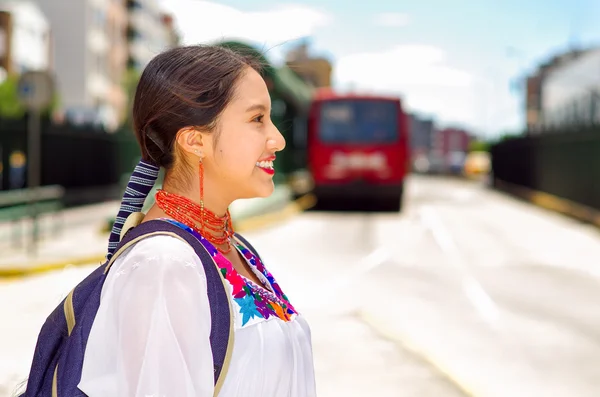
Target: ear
point(190, 140)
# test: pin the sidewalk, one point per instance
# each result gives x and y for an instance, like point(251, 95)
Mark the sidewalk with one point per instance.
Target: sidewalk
point(82, 237)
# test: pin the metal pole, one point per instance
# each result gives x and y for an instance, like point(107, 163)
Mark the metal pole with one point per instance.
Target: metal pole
point(33, 173)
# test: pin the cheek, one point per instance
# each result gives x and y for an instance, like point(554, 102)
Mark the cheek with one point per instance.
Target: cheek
point(239, 154)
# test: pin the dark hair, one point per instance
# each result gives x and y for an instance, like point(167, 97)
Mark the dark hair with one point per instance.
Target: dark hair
point(181, 87)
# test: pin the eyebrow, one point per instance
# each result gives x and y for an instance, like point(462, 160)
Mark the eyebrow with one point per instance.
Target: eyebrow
point(257, 106)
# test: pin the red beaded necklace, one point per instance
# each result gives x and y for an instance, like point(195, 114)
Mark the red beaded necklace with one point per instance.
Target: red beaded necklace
point(216, 229)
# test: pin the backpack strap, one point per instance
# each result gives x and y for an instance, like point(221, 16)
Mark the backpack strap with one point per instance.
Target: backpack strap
point(221, 334)
point(247, 244)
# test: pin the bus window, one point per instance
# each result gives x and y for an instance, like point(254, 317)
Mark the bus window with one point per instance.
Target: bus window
point(358, 121)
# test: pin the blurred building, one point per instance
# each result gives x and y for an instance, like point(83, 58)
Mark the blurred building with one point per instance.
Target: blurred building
point(533, 101)
point(90, 57)
point(25, 40)
point(543, 88)
point(421, 133)
point(315, 71)
point(149, 32)
point(435, 150)
point(172, 36)
point(571, 92)
point(449, 150)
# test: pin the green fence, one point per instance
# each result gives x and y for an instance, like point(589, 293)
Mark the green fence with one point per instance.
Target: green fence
point(564, 163)
point(86, 161)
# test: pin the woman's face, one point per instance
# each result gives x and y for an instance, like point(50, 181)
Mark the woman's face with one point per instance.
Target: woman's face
point(240, 165)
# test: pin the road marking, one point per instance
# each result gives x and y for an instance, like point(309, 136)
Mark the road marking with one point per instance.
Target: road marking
point(376, 258)
point(463, 194)
point(477, 295)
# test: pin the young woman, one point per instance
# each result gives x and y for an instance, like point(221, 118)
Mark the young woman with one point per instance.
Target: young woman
point(201, 113)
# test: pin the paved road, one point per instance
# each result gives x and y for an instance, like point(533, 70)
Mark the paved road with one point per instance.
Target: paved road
point(495, 294)
point(466, 292)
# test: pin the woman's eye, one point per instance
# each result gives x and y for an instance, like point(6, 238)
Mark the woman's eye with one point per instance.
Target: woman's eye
point(259, 119)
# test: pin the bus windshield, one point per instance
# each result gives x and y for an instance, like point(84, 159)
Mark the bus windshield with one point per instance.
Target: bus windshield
point(358, 121)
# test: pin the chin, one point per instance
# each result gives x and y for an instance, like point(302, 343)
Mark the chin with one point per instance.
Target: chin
point(259, 191)
point(265, 191)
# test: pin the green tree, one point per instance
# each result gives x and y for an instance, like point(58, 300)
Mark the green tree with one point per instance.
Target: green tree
point(11, 107)
point(130, 82)
point(508, 135)
point(479, 146)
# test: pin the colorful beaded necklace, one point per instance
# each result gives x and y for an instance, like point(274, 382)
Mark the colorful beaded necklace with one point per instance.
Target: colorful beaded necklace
point(216, 229)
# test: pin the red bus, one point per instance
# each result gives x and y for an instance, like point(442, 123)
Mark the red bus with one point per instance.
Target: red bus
point(357, 148)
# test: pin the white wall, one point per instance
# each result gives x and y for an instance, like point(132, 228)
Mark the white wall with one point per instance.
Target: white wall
point(30, 37)
point(154, 35)
point(70, 33)
point(566, 91)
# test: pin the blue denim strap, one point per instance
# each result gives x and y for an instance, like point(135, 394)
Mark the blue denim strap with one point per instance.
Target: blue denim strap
point(140, 183)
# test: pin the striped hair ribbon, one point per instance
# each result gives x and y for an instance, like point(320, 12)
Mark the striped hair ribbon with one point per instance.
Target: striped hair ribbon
point(140, 183)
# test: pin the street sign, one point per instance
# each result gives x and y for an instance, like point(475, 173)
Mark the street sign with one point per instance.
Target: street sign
point(35, 90)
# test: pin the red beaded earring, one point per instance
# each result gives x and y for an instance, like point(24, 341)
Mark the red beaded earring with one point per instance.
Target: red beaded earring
point(200, 178)
point(201, 182)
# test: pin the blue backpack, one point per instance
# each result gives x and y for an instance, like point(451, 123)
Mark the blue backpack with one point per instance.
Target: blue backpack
point(59, 353)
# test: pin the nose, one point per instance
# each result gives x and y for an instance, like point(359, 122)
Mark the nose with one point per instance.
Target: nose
point(276, 141)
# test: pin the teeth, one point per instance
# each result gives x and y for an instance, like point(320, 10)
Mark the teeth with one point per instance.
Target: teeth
point(265, 164)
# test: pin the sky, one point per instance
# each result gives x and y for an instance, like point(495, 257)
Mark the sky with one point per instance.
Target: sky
point(457, 61)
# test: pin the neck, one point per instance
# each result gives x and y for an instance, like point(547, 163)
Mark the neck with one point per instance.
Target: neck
point(217, 230)
point(212, 202)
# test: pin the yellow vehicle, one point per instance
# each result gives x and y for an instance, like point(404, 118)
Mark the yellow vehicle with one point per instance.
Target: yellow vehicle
point(477, 164)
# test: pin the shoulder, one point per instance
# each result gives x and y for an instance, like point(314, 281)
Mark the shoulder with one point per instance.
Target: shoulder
point(158, 252)
point(161, 245)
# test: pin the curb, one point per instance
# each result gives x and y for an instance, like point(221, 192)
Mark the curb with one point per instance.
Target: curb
point(19, 272)
point(412, 347)
point(260, 221)
point(247, 224)
point(553, 203)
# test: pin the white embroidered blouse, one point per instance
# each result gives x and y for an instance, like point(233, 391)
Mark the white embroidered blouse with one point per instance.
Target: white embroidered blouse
point(150, 336)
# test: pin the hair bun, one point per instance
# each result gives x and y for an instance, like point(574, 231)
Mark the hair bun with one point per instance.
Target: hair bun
point(155, 156)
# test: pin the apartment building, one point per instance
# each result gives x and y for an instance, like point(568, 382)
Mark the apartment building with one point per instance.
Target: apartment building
point(562, 89)
point(25, 39)
point(314, 70)
point(149, 32)
point(90, 57)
